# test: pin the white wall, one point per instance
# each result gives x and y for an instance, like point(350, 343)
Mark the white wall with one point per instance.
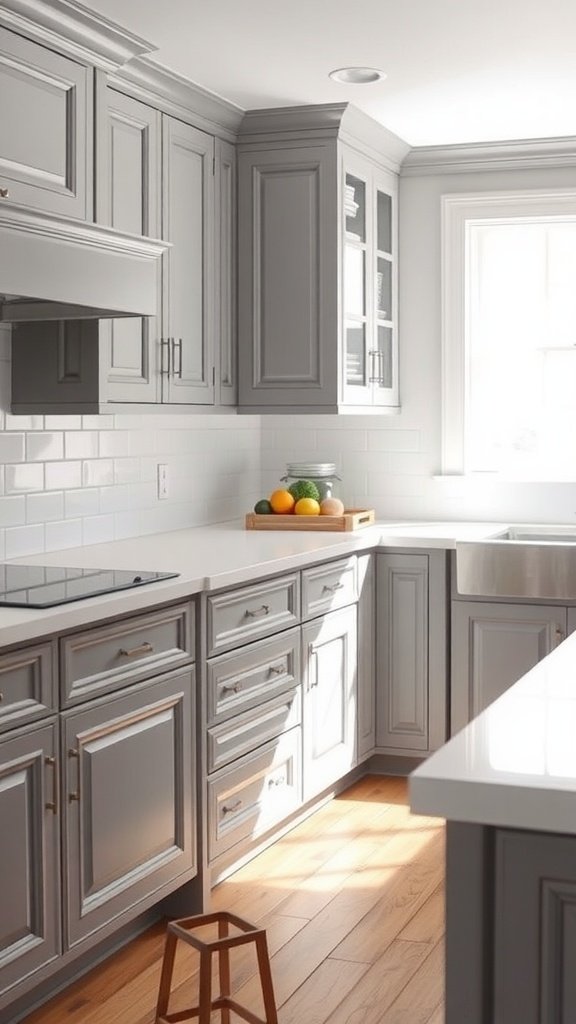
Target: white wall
point(391, 463)
point(70, 480)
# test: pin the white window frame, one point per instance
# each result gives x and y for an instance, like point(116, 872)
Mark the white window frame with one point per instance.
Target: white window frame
point(459, 211)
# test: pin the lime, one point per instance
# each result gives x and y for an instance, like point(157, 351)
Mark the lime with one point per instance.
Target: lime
point(263, 507)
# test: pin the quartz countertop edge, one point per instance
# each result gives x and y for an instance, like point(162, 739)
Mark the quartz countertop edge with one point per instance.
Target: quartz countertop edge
point(208, 558)
point(514, 766)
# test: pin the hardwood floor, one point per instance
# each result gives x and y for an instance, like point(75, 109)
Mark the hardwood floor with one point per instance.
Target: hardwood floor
point(352, 900)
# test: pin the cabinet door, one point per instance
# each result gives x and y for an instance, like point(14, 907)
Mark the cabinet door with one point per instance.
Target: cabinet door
point(493, 645)
point(45, 128)
point(129, 828)
point(128, 198)
point(330, 693)
point(384, 294)
point(288, 277)
point(29, 855)
point(402, 644)
point(366, 724)
point(188, 223)
point(225, 270)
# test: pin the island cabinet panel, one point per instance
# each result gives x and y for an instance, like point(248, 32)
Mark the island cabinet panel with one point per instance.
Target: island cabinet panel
point(535, 929)
point(45, 128)
point(129, 827)
point(28, 685)
point(128, 198)
point(493, 645)
point(29, 855)
point(330, 692)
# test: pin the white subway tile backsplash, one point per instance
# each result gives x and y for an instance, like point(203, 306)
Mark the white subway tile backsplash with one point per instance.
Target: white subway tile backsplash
point(114, 442)
point(62, 475)
point(43, 445)
point(41, 508)
point(12, 447)
point(23, 422)
point(82, 502)
point(12, 511)
point(97, 529)
point(63, 423)
point(81, 444)
point(64, 534)
point(97, 473)
point(24, 477)
point(24, 540)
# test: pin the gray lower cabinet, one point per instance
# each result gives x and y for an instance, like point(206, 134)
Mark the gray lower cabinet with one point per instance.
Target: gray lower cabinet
point(411, 645)
point(45, 128)
point(29, 855)
point(493, 645)
point(128, 802)
point(329, 701)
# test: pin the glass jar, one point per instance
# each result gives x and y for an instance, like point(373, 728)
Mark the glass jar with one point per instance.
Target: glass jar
point(323, 474)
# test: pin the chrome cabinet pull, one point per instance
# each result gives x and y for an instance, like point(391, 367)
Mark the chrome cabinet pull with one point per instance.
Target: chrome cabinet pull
point(165, 348)
point(52, 805)
point(177, 348)
point(264, 610)
point(236, 688)
point(232, 807)
point(135, 652)
point(333, 587)
point(313, 667)
point(4, 193)
point(74, 796)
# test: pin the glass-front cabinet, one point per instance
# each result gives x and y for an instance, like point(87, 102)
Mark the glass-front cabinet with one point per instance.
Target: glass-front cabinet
point(370, 376)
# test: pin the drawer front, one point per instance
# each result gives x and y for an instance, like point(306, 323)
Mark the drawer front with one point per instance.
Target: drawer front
point(243, 679)
point(241, 735)
point(328, 587)
point(27, 685)
point(239, 616)
point(255, 794)
point(102, 660)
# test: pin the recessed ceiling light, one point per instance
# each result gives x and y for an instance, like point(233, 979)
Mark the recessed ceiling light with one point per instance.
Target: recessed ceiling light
point(357, 76)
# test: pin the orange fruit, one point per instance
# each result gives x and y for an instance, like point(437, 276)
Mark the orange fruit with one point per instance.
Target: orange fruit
point(282, 502)
point(307, 507)
point(331, 507)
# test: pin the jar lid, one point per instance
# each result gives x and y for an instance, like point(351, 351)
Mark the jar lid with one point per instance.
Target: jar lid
point(310, 469)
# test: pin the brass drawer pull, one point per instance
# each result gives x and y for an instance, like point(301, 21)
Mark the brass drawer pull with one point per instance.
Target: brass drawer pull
point(277, 670)
point(264, 610)
point(232, 807)
point(333, 587)
point(135, 652)
point(236, 688)
point(52, 805)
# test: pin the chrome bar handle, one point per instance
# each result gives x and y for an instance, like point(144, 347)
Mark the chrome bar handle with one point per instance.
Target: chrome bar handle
point(232, 807)
point(264, 610)
point(177, 348)
point(165, 347)
point(52, 805)
point(73, 796)
point(135, 652)
point(332, 587)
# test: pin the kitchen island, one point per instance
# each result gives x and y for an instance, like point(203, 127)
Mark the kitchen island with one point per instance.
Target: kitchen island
point(506, 785)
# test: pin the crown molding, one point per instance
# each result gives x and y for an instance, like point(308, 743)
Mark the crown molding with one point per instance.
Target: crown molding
point(324, 121)
point(151, 82)
point(525, 154)
point(71, 28)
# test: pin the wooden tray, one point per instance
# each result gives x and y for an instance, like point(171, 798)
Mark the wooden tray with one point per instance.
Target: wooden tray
point(351, 519)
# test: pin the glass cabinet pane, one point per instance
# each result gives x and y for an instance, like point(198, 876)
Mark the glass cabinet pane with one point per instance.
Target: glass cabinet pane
point(355, 281)
point(384, 372)
point(355, 354)
point(355, 208)
point(384, 222)
point(384, 289)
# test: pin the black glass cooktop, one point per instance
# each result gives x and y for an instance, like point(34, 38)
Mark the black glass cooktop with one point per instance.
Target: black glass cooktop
point(42, 586)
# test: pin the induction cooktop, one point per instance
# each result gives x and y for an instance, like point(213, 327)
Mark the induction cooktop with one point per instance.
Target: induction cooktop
point(42, 586)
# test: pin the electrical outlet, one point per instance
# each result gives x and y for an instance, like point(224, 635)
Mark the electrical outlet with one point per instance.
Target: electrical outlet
point(162, 481)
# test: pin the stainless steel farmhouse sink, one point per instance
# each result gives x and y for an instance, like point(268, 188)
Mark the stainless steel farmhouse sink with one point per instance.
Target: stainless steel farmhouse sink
point(520, 561)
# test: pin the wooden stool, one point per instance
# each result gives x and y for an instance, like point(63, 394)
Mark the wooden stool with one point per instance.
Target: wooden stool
point(183, 929)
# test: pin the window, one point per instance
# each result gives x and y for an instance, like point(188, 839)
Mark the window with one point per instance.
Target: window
point(509, 335)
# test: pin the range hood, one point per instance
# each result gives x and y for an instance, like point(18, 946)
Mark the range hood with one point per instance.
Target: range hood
point(57, 268)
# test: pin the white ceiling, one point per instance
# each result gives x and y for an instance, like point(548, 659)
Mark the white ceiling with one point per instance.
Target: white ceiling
point(458, 70)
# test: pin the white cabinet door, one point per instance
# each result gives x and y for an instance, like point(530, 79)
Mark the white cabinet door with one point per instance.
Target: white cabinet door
point(128, 198)
point(188, 222)
point(493, 645)
point(45, 128)
point(330, 693)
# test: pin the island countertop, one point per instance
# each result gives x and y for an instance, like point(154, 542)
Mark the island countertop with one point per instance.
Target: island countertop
point(515, 764)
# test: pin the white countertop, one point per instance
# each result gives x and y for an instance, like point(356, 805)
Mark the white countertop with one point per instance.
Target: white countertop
point(208, 558)
point(514, 765)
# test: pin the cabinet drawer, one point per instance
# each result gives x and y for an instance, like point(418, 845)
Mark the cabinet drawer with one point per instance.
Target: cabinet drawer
point(27, 685)
point(327, 587)
point(239, 616)
point(231, 740)
point(101, 660)
point(243, 679)
point(255, 794)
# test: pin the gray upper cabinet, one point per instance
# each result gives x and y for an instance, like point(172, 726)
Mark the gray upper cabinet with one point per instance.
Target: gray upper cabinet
point(225, 272)
point(29, 855)
point(45, 129)
point(317, 226)
point(493, 645)
point(188, 223)
point(128, 198)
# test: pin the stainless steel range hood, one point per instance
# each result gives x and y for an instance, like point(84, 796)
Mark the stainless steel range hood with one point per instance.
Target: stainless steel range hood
point(56, 268)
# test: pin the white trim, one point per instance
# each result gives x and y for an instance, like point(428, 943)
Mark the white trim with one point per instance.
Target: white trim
point(458, 211)
point(490, 156)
